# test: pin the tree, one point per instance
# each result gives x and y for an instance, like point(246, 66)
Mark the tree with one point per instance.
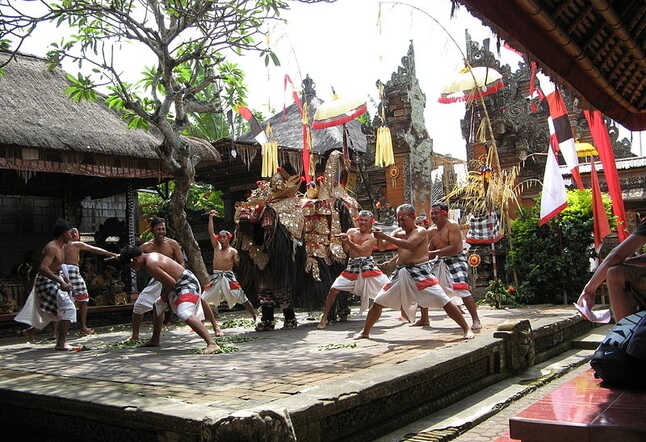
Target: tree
point(188, 42)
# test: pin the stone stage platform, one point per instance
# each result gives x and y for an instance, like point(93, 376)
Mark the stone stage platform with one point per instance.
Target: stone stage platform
point(302, 384)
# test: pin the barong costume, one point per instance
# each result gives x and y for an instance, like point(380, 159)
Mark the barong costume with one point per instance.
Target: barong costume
point(184, 299)
point(224, 287)
point(363, 278)
point(412, 285)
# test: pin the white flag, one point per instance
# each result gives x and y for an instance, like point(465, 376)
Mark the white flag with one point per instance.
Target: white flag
point(553, 197)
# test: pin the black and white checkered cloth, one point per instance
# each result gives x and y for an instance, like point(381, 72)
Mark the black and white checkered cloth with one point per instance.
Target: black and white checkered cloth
point(484, 229)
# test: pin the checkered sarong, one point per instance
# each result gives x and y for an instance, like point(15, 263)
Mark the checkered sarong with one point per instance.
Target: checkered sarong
point(47, 291)
point(363, 278)
point(420, 273)
point(187, 284)
point(79, 288)
point(364, 266)
point(224, 286)
point(412, 285)
point(184, 298)
point(457, 269)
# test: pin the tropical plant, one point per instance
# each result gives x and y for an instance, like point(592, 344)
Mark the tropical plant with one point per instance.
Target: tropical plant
point(156, 202)
point(552, 261)
point(500, 295)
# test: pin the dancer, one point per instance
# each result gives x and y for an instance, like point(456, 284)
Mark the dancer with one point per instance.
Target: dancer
point(180, 292)
point(362, 276)
point(224, 285)
point(412, 283)
point(71, 270)
point(49, 300)
point(160, 243)
point(449, 262)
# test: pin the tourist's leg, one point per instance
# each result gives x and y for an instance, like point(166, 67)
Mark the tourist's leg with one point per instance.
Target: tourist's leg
point(616, 282)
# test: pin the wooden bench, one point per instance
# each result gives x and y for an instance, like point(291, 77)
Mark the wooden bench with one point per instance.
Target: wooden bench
point(581, 410)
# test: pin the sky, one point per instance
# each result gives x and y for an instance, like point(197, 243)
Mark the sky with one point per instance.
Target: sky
point(350, 44)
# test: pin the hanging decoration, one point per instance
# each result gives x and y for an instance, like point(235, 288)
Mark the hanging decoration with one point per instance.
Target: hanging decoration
point(474, 260)
point(269, 156)
point(384, 155)
point(394, 174)
point(269, 159)
point(307, 138)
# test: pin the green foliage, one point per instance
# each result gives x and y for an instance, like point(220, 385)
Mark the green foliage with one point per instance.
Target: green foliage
point(189, 42)
point(553, 260)
point(201, 198)
point(500, 295)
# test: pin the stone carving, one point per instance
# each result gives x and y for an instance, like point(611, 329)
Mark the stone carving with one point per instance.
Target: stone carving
point(520, 351)
point(250, 425)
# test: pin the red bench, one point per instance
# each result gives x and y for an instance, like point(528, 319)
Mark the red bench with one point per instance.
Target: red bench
point(582, 410)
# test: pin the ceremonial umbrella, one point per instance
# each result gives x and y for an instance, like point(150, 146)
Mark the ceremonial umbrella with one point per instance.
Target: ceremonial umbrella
point(585, 150)
point(471, 83)
point(338, 111)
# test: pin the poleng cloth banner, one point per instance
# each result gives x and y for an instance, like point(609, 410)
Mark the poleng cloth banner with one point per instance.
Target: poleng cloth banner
point(484, 229)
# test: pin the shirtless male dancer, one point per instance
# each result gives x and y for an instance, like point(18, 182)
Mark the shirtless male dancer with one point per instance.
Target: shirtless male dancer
point(51, 289)
point(147, 297)
point(446, 252)
point(362, 276)
point(79, 293)
point(224, 285)
point(412, 283)
point(180, 292)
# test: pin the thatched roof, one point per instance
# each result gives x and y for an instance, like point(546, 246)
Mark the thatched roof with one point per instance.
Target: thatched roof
point(242, 171)
point(286, 128)
point(43, 130)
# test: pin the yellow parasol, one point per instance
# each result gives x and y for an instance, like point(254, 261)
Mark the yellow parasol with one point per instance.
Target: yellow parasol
point(585, 150)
